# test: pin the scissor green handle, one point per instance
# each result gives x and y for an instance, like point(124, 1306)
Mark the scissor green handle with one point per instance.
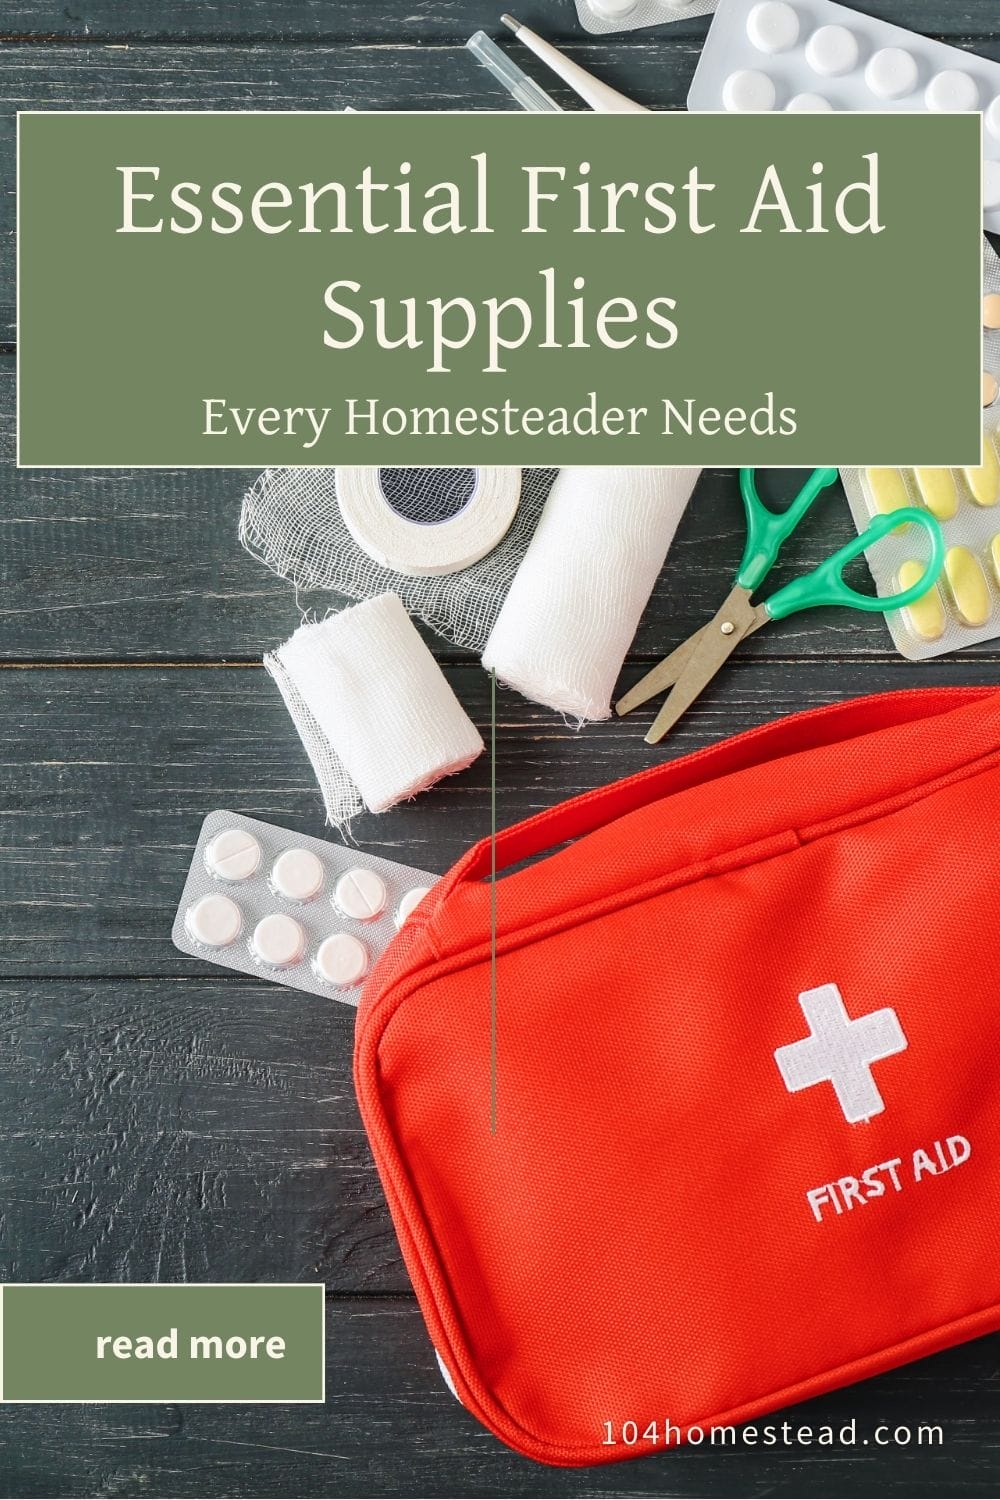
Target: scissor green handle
point(825, 584)
point(768, 530)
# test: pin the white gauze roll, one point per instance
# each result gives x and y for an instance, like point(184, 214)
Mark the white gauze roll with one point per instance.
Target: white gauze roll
point(566, 624)
point(372, 707)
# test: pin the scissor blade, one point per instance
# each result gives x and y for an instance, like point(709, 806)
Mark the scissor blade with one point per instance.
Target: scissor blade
point(737, 619)
point(663, 675)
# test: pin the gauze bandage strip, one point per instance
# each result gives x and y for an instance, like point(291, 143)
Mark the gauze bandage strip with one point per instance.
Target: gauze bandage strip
point(373, 709)
point(291, 521)
point(565, 627)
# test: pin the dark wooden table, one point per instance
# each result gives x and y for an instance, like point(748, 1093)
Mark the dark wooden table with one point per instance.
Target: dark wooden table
point(159, 1119)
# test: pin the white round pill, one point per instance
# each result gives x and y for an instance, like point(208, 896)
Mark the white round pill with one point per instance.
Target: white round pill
point(892, 73)
point(992, 117)
point(748, 92)
point(233, 855)
point(214, 921)
point(409, 903)
point(341, 960)
point(773, 26)
point(991, 184)
point(950, 91)
point(612, 8)
point(297, 874)
point(278, 940)
point(832, 50)
point(360, 894)
point(808, 104)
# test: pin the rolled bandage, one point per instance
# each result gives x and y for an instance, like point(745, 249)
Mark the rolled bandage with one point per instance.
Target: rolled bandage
point(576, 600)
point(372, 708)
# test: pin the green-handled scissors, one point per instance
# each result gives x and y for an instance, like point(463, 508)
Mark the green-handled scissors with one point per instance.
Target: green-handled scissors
point(689, 669)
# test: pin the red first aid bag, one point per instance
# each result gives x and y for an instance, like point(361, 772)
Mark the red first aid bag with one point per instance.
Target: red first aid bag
point(743, 1146)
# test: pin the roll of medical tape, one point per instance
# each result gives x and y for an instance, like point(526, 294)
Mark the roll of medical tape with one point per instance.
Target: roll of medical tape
point(423, 548)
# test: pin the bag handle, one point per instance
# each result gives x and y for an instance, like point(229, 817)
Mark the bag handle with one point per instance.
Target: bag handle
point(811, 728)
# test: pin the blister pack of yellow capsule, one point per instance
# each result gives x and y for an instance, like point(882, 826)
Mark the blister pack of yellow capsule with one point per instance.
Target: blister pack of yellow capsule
point(964, 606)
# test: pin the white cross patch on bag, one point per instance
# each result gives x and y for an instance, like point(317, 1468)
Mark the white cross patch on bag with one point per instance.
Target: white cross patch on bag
point(841, 1051)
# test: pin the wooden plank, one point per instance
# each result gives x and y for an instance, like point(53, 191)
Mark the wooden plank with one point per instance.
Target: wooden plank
point(656, 71)
point(389, 1427)
point(350, 21)
point(109, 772)
point(145, 565)
point(185, 1130)
point(108, 776)
point(357, 21)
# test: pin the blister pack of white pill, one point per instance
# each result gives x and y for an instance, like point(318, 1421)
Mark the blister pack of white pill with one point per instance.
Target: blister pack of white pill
point(603, 16)
point(807, 56)
point(964, 606)
point(305, 912)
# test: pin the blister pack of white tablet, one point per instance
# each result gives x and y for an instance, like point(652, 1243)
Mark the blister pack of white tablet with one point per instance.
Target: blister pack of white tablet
point(809, 56)
point(303, 912)
point(964, 606)
point(603, 16)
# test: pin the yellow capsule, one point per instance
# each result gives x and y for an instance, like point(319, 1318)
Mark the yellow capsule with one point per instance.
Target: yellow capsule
point(967, 586)
point(995, 556)
point(984, 479)
point(888, 489)
point(925, 617)
point(938, 492)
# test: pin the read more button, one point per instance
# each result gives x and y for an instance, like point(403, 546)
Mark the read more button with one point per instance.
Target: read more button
point(200, 1346)
point(165, 1342)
